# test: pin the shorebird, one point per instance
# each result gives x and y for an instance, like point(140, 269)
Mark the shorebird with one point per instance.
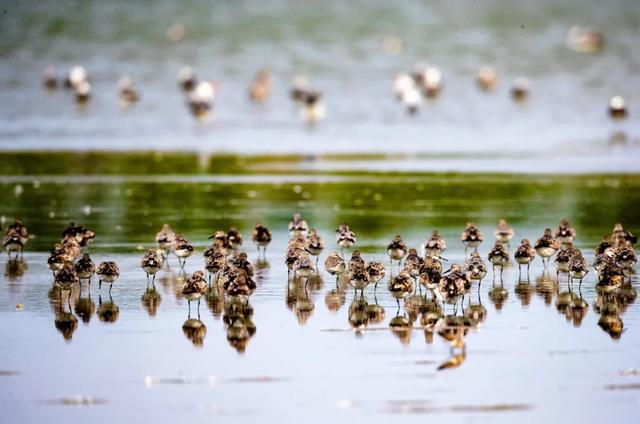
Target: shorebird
point(220, 240)
point(617, 107)
point(563, 259)
point(200, 99)
point(345, 237)
point(215, 263)
point(313, 109)
point(127, 91)
point(303, 268)
point(524, 255)
point(400, 286)
point(238, 286)
point(85, 268)
point(396, 250)
point(565, 233)
point(79, 234)
point(601, 260)
point(431, 272)
point(151, 263)
point(335, 265)
point(234, 237)
point(610, 278)
point(82, 92)
point(503, 232)
point(182, 249)
point(546, 246)
point(578, 267)
point(619, 233)
point(76, 76)
point(402, 82)
point(486, 78)
point(474, 268)
point(295, 250)
point(299, 89)
point(261, 236)
point(49, 78)
point(434, 245)
point(298, 227)
point(260, 88)
point(498, 256)
point(625, 257)
point(241, 262)
point(452, 285)
point(412, 263)
point(65, 279)
point(15, 238)
point(358, 273)
point(107, 272)
point(605, 246)
point(585, 39)
point(471, 237)
point(194, 288)
point(187, 78)
point(412, 100)
point(376, 272)
point(57, 258)
point(520, 89)
point(314, 243)
point(429, 79)
point(165, 239)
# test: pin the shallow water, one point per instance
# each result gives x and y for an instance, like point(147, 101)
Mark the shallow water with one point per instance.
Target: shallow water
point(529, 358)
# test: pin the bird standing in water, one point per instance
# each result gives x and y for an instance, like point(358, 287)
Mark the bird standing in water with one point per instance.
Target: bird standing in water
point(15, 238)
point(151, 263)
point(471, 237)
point(194, 288)
point(108, 272)
point(546, 246)
point(524, 255)
point(396, 250)
point(261, 236)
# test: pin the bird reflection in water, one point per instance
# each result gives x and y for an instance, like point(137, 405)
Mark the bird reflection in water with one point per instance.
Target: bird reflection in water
point(299, 300)
point(452, 329)
point(238, 321)
point(375, 311)
point(108, 312)
point(194, 330)
point(358, 317)
point(431, 313)
point(65, 322)
point(498, 294)
point(606, 305)
point(215, 301)
point(150, 300)
point(401, 326)
point(524, 292)
point(335, 298)
point(546, 287)
point(85, 307)
point(15, 269)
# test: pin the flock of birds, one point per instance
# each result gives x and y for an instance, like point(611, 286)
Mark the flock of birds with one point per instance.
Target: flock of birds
point(228, 268)
point(410, 88)
point(227, 276)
